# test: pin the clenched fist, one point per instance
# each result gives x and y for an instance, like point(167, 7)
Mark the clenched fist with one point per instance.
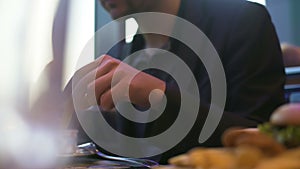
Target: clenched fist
point(107, 81)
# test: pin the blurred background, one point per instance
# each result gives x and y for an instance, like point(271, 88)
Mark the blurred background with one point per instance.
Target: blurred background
point(40, 43)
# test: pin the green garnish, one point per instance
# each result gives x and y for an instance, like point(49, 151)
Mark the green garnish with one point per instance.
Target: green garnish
point(287, 135)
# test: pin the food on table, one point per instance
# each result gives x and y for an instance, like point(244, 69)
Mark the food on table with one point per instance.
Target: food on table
point(244, 149)
point(254, 138)
point(289, 135)
point(286, 160)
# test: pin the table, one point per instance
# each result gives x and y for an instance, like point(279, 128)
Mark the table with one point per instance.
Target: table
point(92, 162)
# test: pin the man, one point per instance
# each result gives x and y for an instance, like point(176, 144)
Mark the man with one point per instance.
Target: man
point(245, 39)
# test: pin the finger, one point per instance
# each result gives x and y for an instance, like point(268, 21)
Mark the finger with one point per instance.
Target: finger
point(81, 83)
point(100, 85)
point(80, 100)
point(80, 89)
point(106, 101)
point(88, 72)
point(84, 77)
point(288, 114)
point(89, 67)
point(107, 65)
point(105, 73)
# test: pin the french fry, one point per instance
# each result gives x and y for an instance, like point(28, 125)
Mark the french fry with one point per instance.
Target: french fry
point(247, 157)
point(181, 160)
point(217, 158)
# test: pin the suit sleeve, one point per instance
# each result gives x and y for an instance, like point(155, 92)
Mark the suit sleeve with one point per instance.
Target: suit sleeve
point(254, 66)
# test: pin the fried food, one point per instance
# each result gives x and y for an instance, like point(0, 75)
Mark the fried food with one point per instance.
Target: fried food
point(181, 160)
point(248, 157)
point(170, 167)
point(279, 163)
point(288, 135)
point(252, 137)
point(244, 149)
point(218, 158)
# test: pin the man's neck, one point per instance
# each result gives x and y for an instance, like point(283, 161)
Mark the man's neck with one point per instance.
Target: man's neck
point(165, 6)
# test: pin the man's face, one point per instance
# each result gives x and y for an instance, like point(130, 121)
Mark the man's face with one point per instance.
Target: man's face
point(119, 8)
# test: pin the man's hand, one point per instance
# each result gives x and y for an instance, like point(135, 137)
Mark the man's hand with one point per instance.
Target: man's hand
point(108, 77)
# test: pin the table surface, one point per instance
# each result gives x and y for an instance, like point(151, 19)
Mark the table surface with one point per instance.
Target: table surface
point(91, 162)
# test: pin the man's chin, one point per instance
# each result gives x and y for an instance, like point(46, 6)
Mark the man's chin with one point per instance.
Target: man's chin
point(116, 14)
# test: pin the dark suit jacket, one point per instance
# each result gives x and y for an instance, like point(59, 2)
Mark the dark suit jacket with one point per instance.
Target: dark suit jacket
point(246, 41)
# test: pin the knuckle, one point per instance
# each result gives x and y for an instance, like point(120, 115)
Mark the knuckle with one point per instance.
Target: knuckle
point(105, 101)
point(105, 57)
point(110, 62)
